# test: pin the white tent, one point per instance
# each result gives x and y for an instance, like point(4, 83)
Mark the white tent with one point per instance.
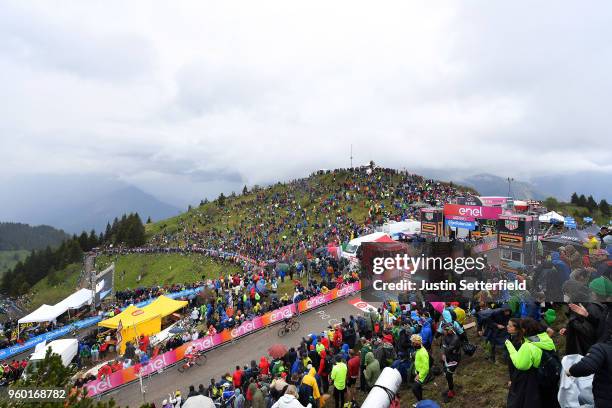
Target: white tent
point(77, 300)
point(551, 216)
point(45, 313)
point(198, 401)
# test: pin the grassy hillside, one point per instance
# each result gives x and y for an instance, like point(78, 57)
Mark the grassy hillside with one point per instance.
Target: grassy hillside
point(8, 259)
point(160, 269)
point(330, 205)
point(568, 209)
point(264, 207)
point(55, 287)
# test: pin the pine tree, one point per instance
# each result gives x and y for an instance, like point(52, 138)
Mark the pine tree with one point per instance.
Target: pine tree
point(149, 220)
point(51, 373)
point(107, 232)
point(582, 201)
point(604, 207)
point(591, 204)
point(93, 240)
point(221, 200)
point(574, 199)
point(84, 241)
point(245, 190)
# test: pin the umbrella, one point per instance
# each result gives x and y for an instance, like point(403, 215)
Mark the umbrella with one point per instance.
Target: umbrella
point(277, 351)
point(439, 306)
point(283, 267)
point(176, 330)
point(198, 401)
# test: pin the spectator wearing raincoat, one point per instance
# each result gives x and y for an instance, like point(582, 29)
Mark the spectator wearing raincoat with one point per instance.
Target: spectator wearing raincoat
point(525, 390)
point(593, 244)
point(598, 361)
point(309, 389)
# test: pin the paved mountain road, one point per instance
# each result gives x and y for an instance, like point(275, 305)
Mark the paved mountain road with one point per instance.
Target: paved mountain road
point(224, 359)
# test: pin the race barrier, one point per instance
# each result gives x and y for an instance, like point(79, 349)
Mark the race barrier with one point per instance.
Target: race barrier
point(161, 362)
point(488, 245)
point(80, 324)
point(52, 335)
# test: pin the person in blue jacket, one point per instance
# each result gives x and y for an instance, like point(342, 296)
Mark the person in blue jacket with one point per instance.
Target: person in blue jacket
point(426, 333)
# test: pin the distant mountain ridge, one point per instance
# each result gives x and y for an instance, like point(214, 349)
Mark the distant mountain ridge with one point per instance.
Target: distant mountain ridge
point(77, 203)
point(560, 187)
point(17, 236)
point(491, 185)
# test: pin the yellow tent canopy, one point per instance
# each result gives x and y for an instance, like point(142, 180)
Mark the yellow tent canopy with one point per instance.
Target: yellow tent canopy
point(131, 316)
point(165, 306)
point(146, 320)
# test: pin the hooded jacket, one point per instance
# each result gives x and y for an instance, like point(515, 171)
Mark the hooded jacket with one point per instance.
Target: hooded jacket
point(264, 366)
point(530, 353)
point(309, 387)
point(257, 397)
point(372, 370)
point(288, 401)
point(239, 401)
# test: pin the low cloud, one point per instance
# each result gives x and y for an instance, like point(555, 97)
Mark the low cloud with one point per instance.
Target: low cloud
point(188, 102)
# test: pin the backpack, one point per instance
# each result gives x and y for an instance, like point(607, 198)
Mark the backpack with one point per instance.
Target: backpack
point(549, 371)
point(329, 364)
point(469, 349)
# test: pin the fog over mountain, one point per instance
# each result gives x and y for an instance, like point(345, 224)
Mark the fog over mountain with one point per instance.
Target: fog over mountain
point(76, 203)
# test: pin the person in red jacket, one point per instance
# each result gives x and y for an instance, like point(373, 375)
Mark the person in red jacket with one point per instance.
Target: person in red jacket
point(352, 373)
point(264, 366)
point(325, 340)
point(237, 377)
point(105, 371)
point(338, 337)
point(143, 343)
point(323, 371)
point(117, 366)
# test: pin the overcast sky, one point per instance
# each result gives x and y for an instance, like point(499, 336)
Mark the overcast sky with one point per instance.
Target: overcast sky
point(181, 98)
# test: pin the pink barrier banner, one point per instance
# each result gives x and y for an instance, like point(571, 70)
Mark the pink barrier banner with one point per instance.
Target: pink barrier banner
point(485, 246)
point(489, 201)
point(472, 211)
point(160, 362)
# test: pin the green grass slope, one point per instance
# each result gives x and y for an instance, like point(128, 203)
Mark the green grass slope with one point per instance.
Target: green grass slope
point(146, 270)
point(8, 259)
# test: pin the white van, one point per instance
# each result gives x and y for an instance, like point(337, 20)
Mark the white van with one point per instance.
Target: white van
point(67, 349)
point(396, 229)
point(350, 252)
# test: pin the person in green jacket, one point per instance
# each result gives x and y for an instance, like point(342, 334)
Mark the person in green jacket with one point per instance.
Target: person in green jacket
point(365, 349)
point(372, 370)
point(257, 396)
point(338, 376)
point(420, 365)
point(525, 390)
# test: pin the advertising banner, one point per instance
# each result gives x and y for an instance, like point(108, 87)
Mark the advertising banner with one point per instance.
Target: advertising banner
point(469, 225)
point(493, 201)
point(81, 324)
point(472, 211)
point(159, 363)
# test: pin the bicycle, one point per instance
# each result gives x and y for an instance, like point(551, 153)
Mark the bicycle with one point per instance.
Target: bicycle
point(198, 359)
point(290, 325)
